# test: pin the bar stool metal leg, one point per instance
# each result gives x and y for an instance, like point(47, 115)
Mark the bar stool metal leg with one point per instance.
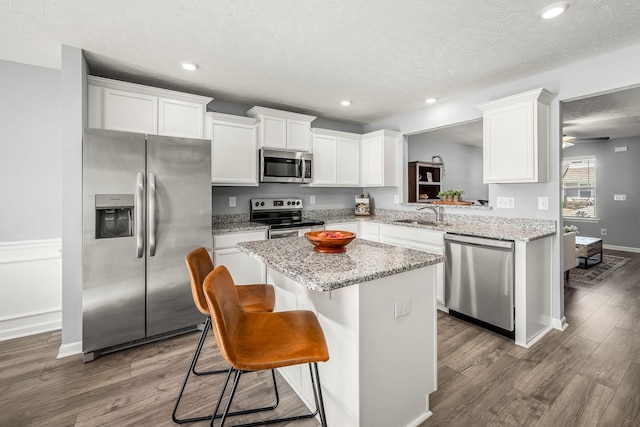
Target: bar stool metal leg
point(317, 393)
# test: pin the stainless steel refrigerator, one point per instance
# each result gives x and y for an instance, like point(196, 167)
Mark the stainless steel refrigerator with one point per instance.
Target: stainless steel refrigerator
point(146, 204)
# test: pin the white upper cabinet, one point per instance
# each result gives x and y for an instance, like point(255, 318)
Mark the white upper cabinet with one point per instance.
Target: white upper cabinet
point(234, 149)
point(516, 138)
point(336, 158)
point(131, 107)
point(282, 129)
point(379, 159)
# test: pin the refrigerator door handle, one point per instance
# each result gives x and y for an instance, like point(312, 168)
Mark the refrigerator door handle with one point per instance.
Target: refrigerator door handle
point(139, 219)
point(152, 214)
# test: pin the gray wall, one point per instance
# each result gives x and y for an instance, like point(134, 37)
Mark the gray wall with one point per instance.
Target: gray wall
point(238, 109)
point(30, 159)
point(463, 164)
point(326, 198)
point(616, 173)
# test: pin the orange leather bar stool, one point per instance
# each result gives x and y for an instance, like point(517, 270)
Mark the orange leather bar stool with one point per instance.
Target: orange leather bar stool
point(252, 341)
point(258, 297)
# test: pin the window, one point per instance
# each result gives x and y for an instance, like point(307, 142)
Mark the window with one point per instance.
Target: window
point(579, 187)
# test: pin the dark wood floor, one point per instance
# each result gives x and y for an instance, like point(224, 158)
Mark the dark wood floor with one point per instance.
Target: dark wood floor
point(588, 375)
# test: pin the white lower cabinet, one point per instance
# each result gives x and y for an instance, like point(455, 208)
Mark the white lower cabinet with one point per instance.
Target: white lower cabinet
point(369, 231)
point(343, 226)
point(243, 268)
point(420, 240)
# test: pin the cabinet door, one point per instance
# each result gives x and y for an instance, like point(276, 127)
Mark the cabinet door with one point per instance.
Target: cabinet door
point(372, 162)
point(180, 118)
point(130, 112)
point(243, 268)
point(273, 132)
point(369, 231)
point(509, 149)
point(324, 160)
point(234, 154)
point(439, 267)
point(343, 226)
point(348, 161)
point(298, 135)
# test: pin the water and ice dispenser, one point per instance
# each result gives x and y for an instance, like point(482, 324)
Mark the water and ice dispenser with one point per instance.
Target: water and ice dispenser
point(114, 215)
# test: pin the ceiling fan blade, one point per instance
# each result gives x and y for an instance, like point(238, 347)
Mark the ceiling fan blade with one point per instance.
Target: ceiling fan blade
point(574, 139)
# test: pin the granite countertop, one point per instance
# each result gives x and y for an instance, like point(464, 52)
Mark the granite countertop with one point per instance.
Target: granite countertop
point(363, 261)
point(488, 226)
point(518, 229)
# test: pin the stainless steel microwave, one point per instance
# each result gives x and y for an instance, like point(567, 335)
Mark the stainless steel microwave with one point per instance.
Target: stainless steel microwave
point(285, 166)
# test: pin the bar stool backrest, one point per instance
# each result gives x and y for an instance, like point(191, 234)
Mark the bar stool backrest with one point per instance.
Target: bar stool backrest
point(225, 310)
point(199, 265)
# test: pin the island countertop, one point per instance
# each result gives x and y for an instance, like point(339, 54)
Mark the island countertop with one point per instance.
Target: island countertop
point(363, 261)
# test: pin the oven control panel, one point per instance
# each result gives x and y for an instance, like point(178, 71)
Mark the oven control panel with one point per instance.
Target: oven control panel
point(275, 204)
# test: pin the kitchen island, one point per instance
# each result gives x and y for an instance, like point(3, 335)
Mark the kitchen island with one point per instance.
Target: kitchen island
point(377, 307)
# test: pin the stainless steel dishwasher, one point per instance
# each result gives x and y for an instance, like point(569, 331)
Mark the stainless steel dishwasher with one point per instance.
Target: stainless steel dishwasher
point(479, 278)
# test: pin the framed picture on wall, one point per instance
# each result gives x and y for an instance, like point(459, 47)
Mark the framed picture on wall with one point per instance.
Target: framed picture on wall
point(429, 177)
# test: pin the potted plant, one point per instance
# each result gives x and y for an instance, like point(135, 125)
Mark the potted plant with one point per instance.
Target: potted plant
point(442, 195)
point(570, 228)
point(457, 195)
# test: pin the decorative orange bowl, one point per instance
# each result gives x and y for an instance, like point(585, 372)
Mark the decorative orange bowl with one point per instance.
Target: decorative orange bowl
point(330, 241)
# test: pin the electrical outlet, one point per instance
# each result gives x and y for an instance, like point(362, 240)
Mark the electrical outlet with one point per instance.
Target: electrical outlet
point(232, 202)
point(312, 200)
point(396, 199)
point(505, 202)
point(619, 197)
point(603, 231)
point(402, 308)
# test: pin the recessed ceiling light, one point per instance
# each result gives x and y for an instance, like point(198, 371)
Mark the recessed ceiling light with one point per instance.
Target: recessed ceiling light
point(431, 100)
point(189, 66)
point(345, 102)
point(553, 10)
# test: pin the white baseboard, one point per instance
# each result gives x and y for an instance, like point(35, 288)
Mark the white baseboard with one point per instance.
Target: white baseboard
point(25, 324)
point(70, 349)
point(31, 287)
point(560, 324)
point(621, 248)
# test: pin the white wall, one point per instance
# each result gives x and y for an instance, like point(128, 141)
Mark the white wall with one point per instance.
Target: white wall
point(600, 74)
point(30, 188)
point(73, 87)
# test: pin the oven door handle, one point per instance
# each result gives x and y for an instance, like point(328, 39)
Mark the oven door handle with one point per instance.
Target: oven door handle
point(278, 234)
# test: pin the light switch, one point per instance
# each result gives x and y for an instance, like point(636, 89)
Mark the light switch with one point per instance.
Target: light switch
point(543, 203)
point(620, 149)
point(619, 197)
point(232, 202)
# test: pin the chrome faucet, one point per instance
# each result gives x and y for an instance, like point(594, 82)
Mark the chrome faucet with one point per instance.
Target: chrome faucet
point(439, 210)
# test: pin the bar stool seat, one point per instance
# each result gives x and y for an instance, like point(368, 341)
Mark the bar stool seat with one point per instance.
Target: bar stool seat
point(252, 298)
point(252, 341)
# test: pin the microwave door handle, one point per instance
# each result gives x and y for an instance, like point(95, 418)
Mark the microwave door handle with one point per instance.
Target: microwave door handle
point(152, 214)
point(138, 223)
point(303, 167)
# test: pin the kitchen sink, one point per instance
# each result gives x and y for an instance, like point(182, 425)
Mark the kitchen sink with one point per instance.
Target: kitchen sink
point(418, 222)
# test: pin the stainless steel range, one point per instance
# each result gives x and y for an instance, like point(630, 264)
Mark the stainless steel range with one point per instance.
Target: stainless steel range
point(283, 216)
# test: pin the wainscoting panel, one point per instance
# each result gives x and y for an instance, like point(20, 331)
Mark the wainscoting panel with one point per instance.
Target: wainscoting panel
point(30, 287)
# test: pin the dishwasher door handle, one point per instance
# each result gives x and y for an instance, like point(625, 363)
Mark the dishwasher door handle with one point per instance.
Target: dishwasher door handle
point(479, 241)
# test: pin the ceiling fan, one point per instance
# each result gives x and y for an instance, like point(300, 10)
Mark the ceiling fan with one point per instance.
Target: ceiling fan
point(574, 139)
point(568, 141)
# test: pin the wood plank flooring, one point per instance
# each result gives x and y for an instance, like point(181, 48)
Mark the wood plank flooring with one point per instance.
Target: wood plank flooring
point(588, 375)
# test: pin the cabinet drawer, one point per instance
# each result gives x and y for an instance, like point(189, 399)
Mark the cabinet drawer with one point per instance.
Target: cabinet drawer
point(230, 240)
point(395, 232)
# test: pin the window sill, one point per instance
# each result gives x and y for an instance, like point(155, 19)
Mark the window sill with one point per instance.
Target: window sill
point(579, 219)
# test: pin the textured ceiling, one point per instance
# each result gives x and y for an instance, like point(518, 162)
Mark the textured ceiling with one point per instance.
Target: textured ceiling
point(307, 55)
point(614, 115)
